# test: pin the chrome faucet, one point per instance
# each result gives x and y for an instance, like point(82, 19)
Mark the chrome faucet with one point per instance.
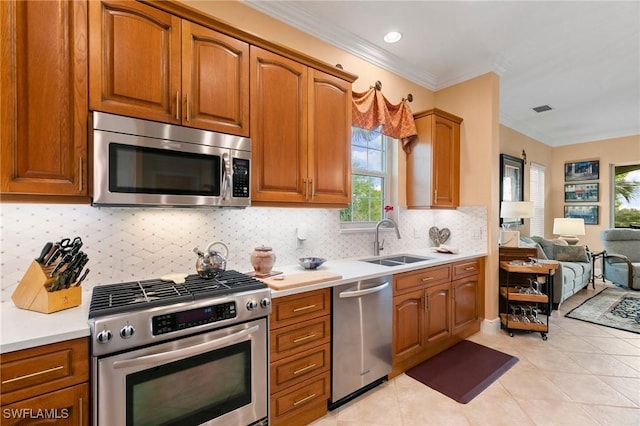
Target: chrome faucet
point(380, 246)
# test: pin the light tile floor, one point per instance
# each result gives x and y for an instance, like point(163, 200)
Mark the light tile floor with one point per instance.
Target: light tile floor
point(584, 374)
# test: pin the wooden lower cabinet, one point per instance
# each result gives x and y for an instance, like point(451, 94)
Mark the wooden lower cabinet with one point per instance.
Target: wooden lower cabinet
point(68, 406)
point(300, 341)
point(46, 385)
point(432, 311)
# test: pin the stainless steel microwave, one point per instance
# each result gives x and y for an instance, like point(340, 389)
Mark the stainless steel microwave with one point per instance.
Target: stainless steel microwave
point(144, 163)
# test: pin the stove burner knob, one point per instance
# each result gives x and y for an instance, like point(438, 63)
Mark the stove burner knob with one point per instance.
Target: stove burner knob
point(104, 336)
point(265, 302)
point(127, 331)
point(252, 304)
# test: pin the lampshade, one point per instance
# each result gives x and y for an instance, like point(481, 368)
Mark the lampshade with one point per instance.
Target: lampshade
point(515, 210)
point(568, 228)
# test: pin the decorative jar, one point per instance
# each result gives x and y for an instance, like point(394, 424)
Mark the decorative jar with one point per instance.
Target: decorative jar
point(262, 260)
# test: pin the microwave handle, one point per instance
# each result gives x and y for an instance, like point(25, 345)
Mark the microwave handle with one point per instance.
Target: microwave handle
point(162, 357)
point(225, 177)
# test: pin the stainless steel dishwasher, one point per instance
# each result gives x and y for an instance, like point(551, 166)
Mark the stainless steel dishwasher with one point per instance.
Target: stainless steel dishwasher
point(361, 341)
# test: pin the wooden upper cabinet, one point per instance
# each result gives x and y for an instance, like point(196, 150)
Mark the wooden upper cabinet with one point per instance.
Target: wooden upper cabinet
point(278, 128)
point(135, 60)
point(215, 80)
point(43, 103)
point(329, 138)
point(300, 133)
point(433, 166)
point(150, 64)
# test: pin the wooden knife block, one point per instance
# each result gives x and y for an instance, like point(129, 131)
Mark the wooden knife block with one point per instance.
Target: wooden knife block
point(32, 293)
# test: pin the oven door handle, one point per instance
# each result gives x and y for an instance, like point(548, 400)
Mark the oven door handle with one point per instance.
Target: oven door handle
point(155, 359)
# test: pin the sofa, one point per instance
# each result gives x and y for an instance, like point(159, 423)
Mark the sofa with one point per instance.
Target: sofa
point(575, 269)
point(621, 264)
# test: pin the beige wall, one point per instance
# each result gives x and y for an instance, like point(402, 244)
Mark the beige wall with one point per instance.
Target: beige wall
point(477, 102)
point(610, 152)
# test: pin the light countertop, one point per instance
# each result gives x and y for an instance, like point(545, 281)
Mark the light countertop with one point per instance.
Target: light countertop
point(22, 329)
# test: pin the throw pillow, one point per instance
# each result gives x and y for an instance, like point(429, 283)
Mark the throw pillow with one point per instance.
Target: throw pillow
point(548, 246)
point(571, 254)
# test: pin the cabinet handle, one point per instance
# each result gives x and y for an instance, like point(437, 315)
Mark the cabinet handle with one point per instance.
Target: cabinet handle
point(426, 303)
point(301, 339)
point(313, 395)
point(178, 105)
point(424, 280)
point(435, 195)
point(28, 376)
point(470, 268)
point(304, 190)
point(313, 188)
point(304, 308)
point(300, 370)
point(80, 175)
point(80, 411)
point(188, 108)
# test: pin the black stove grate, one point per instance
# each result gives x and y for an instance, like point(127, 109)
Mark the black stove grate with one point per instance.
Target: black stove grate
point(136, 295)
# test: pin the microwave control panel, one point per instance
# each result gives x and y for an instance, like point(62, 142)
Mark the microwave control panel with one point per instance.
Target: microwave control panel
point(240, 187)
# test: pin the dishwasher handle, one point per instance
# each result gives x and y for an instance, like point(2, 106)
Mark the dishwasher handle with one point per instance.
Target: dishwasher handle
point(358, 293)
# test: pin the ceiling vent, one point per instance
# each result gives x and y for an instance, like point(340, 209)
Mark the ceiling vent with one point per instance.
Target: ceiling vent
point(542, 108)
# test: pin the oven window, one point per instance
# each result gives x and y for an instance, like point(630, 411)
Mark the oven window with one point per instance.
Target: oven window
point(193, 390)
point(135, 169)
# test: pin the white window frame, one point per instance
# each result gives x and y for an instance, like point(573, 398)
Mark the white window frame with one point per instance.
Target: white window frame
point(353, 227)
point(537, 196)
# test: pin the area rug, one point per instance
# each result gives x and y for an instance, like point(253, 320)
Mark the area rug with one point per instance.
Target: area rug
point(463, 371)
point(613, 307)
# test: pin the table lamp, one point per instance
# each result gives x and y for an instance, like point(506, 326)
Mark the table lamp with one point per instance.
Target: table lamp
point(511, 212)
point(568, 229)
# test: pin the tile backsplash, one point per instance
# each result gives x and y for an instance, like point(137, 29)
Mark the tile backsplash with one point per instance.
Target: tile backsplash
point(125, 244)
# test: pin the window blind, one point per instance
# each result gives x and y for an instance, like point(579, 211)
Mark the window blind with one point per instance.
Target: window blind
point(536, 195)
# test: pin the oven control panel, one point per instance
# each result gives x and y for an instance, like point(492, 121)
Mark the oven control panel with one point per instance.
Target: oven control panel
point(181, 320)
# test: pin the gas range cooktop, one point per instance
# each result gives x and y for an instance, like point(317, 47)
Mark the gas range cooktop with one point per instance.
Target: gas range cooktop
point(138, 295)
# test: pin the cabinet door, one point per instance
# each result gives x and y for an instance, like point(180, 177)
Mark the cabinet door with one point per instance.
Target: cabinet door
point(135, 60)
point(215, 80)
point(408, 324)
point(68, 406)
point(329, 160)
point(278, 128)
point(465, 302)
point(43, 118)
point(438, 312)
point(446, 162)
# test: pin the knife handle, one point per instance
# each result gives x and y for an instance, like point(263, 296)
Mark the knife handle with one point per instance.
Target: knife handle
point(45, 250)
point(86, 272)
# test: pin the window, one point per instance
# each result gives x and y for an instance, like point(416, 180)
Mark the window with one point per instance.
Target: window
point(369, 179)
point(626, 196)
point(536, 196)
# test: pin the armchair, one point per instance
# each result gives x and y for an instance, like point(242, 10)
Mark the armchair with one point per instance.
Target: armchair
point(621, 263)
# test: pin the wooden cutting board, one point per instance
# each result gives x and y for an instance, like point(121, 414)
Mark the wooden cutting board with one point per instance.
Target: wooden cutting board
point(301, 279)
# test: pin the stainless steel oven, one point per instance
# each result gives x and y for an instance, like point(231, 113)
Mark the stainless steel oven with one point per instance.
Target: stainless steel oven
point(188, 362)
point(144, 163)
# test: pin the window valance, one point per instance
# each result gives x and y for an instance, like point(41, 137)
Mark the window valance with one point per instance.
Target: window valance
point(372, 110)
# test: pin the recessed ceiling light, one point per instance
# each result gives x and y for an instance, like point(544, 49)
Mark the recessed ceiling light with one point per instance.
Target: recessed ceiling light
point(392, 37)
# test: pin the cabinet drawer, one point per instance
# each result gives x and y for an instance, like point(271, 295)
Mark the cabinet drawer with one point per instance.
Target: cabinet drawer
point(421, 278)
point(299, 337)
point(296, 368)
point(298, 398)
point(464, 269)
point(36, 371)
point(300, 307)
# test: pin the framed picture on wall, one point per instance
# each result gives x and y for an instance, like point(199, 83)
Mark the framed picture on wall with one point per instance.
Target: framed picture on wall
point(581, 192)
point(588, 213)
point(581, 170)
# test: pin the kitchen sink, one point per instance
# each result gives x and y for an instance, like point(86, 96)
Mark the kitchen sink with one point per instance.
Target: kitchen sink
point(397, 260)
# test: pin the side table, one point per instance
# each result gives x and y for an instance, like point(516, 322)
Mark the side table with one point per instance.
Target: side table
point(594, 257)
